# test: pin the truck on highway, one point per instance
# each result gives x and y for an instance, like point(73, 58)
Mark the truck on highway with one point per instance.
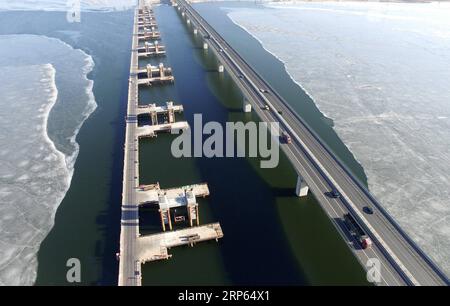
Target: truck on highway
point(286, 138)
point(357, 232)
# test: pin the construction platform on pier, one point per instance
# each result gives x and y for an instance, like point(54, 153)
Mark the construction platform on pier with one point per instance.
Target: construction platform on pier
point(147, 24)
point(181, 197)
point(156, 80)
point(154, 74)
point(144, 22)
point(151, 49)
point(148, 31)
point(155, 127)
point(152, 130)
point(175, 197)
point(152, 35)
point(155, 247)
point(151, 109)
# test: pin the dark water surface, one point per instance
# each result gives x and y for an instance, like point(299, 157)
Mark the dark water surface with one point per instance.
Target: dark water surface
point(270, 236)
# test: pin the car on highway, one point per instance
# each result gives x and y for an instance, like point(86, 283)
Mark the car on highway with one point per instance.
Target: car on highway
point(280, 112)
point(241, 76)
point(334, 193)
point(286, 138)
point(263, 90)
point(266, 107)
point(368, 210)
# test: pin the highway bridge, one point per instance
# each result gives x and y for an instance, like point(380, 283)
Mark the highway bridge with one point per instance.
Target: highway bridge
point(402, 262)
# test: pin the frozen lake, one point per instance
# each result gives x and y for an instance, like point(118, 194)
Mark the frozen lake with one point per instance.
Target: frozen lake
point(36, 170)
point(63, 5)
point(381, 72)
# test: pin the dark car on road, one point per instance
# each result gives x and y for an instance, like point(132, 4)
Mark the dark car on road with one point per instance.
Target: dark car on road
point(334, 193)
point(368, 210)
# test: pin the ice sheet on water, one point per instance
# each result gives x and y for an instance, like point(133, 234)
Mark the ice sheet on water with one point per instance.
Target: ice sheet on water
point(36, 170)
point(381, 72)
point(29, 185)
point(75, 100)
point(62, 5)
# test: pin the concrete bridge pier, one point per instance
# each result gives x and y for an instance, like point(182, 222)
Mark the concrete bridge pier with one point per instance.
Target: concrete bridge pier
point(154, 117)
point(161, 70)
point(301, 189)
point(149, 71)
point(221, 69)
point(188, 21)
point(195, 31)
point(205, 46)
point(182, 14)
point(247, 106)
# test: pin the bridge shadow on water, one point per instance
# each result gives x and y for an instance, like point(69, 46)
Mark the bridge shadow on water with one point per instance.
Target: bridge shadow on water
point(108, 221)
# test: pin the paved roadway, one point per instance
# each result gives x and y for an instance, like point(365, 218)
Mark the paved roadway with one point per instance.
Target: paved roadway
point(402, 262)
point(129, 266)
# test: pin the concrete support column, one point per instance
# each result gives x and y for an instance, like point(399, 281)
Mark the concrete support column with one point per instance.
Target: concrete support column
point(195, 31)
point(182, 14)
point(221, 69)
point(170, 219)
point(247, 106)
point(154, 117)
point(205, 46)
point(188, 21)
point(161, 70)
point(162, 220)
point(301, 189)
point(189, 209)
point(170, 116)
point(198, 217)
point(149, 71)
